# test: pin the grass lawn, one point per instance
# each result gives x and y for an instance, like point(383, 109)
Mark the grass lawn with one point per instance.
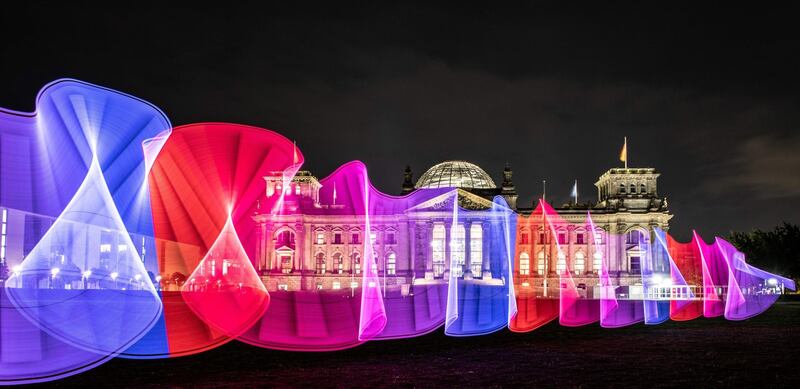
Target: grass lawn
point(762, 351)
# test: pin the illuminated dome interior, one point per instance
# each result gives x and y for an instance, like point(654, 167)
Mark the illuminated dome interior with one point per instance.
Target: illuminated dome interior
point(455, 174)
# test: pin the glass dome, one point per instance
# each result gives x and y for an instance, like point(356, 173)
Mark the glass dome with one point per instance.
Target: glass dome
point(455, 174)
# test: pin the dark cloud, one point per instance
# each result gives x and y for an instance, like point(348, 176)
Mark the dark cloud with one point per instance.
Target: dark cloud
point(765, 166)
point(707, 96)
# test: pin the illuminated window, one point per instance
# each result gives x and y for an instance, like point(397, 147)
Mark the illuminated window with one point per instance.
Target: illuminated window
point(297, 190)
point(524, 264)
point(391, 264)
point(320, 238)
point(373, 237)
point(476, 250)
point(356, 262)
point(561, 263)
point(597, 261)
point(286, 264)
point(105, 248)
point(457, 255)
point(437, 244)
point(320, 263)
point(636, 265)
point(580, 263)
point(338, 263)
point(336, 285)
point(283, 287)
point(540, 263)
point(598, 237)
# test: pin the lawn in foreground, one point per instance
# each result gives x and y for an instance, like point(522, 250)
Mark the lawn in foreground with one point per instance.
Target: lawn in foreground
point(709, 352)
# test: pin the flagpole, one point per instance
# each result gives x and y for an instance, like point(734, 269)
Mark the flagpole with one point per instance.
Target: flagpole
point(544, 190)
point(576, 192)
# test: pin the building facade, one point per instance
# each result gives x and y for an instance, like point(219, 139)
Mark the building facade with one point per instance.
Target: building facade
point(313, 245)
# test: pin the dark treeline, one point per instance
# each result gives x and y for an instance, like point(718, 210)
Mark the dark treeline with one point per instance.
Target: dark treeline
point(776, 251)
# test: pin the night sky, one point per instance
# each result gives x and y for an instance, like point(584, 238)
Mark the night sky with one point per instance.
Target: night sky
point(709, 97)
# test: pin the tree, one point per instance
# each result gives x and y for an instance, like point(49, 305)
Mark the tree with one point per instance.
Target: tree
point(776, 251)
point(178, 278)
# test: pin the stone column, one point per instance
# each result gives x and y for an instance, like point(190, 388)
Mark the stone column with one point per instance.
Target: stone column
point(267, 245)
point(488, 245)
point(570, 260)
point(258, 259)
point(427, 233)
point(467, 246)
point(299, 246)
point(448, 235)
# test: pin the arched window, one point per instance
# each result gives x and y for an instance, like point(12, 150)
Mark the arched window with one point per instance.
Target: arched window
point(524, 264)
point(355, 259)
point(642, 188)
point(634, 237)
point(437, 245)
point(540, 263)
point(476, 250)
point(561, 263)
point(320, 263)
point(580, 262)
point(457, 250)
point(633, 188)
point(621, 188)
point(338, 263)
point(597, 261)
point(285, 238)
point(391, 264)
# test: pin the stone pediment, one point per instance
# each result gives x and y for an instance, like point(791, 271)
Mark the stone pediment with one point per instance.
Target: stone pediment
point(466, 200)
point(284, 248)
